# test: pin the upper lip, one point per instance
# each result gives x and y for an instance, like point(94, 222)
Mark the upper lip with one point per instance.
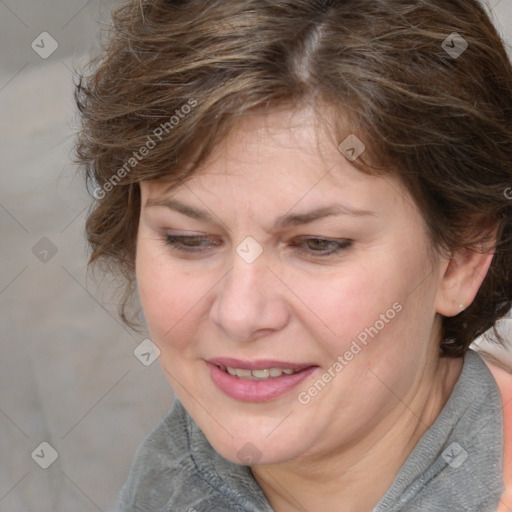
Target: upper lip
point(260, 364)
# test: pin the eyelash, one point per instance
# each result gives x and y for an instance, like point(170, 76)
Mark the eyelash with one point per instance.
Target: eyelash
point(178, 243)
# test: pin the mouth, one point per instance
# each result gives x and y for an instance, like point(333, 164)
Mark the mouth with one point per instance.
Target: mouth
point(264, 374)
point(257, 381)
point(261, 369)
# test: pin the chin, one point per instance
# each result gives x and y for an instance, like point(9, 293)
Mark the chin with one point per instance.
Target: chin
point(254, 450)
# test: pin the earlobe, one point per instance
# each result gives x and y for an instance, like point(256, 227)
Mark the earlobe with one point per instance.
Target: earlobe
point(463, 276)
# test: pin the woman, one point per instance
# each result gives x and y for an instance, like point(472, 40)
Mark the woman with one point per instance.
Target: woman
point(310, 198)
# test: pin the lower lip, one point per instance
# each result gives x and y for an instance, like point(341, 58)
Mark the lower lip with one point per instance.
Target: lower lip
point(256, 390)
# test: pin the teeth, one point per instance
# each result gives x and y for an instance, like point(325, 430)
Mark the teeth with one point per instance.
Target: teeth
point(258, 374)
point(261, 374)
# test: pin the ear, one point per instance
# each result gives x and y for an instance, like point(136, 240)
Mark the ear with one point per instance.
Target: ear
point(462, 278)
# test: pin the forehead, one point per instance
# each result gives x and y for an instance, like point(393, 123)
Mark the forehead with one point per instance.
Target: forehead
point(283, 160)
point(295, 136)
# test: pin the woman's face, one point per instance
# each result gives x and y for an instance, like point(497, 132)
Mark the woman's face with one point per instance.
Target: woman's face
point(280, 255)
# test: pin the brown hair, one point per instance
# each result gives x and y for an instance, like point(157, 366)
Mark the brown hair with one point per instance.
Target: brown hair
point(429, 109)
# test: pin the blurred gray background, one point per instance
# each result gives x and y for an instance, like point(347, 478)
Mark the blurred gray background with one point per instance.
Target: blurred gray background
point(68, 374)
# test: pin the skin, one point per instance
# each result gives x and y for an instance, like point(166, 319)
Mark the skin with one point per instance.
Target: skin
point(292, 304)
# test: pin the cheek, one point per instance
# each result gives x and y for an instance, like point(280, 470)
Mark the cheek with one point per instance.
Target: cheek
point(371, 304)
point(347, 302)
point(172, 299)
point(160, 290)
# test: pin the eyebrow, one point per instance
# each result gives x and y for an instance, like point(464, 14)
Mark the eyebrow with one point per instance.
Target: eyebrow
point(283, 221)
point(296, 219)
point(189, 211)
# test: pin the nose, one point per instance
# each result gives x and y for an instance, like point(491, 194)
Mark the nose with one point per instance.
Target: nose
point(249, 302)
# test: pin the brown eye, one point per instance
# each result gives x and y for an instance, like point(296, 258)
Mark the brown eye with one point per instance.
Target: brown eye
point(323, 246)
point(319, 244)
point(190, 243)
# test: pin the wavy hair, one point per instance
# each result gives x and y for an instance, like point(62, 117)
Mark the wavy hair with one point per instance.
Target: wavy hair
point(426, 84)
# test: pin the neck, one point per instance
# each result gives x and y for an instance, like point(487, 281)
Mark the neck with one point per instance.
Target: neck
point(354, 478)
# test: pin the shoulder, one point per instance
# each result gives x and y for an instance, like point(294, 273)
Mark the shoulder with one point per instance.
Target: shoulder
point(163, 476)
point(503, 377)
point(154, 471)
point(176, 468)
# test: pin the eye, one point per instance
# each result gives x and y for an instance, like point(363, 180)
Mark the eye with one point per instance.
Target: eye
point(322, 246)
point(190, 243)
